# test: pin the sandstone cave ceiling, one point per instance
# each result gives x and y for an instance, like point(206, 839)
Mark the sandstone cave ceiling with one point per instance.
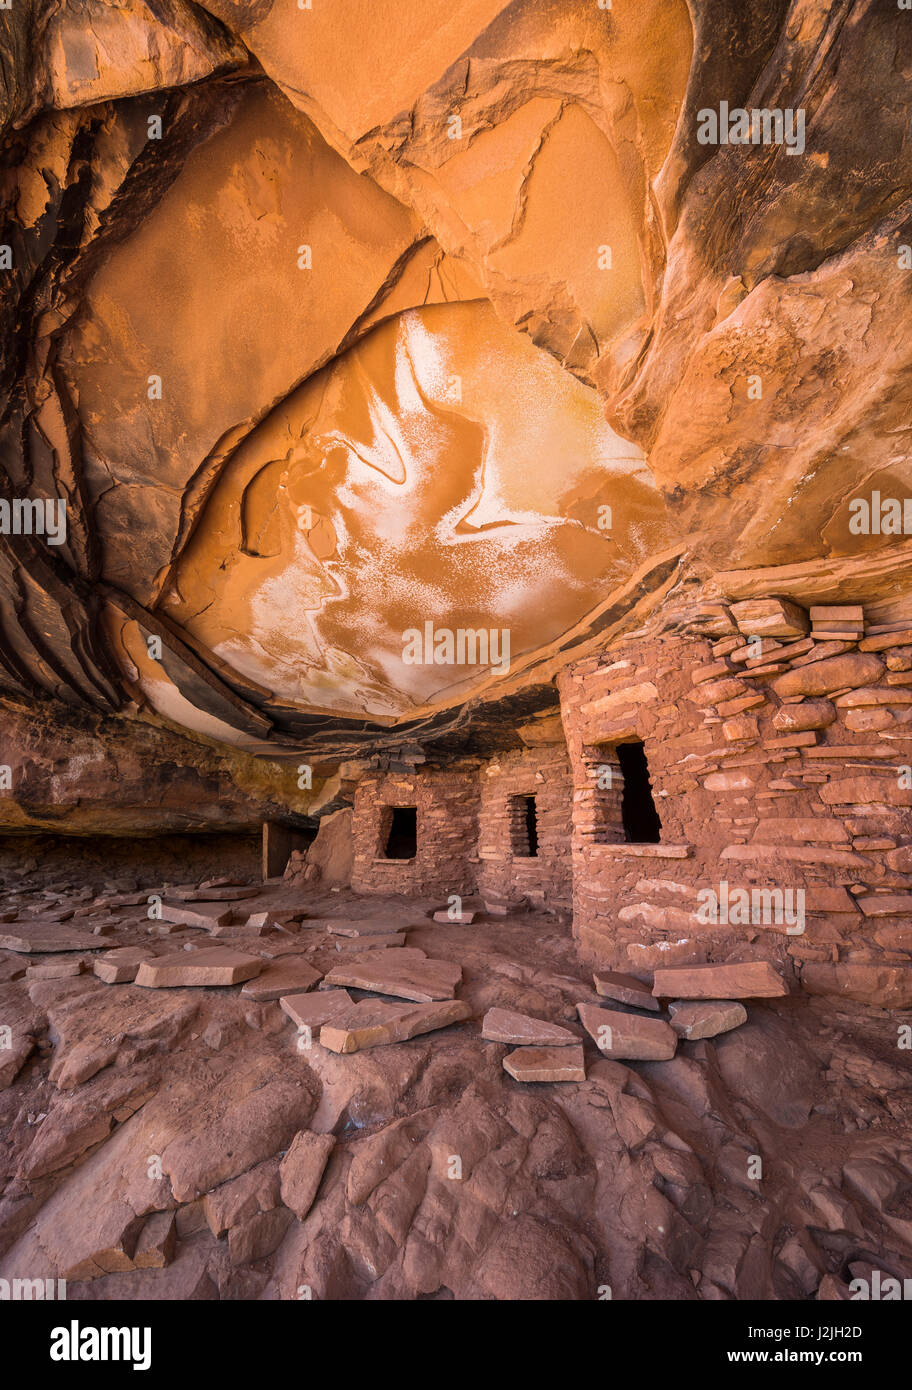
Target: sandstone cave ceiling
point(458, 323)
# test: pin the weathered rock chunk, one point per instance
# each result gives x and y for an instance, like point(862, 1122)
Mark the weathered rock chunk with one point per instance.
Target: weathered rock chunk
point(750, 979)
point(25, 1022)
point(216, 893)
point(313, 1010)
point(257, 1237)
point(213, 966)
point(245, 1118)
point(621, 1036)
point(868, 982)
point(372, 1023)
point(810, 714)
point(56, 969)
point(706, 1018)
point(421, 980)
point(503, 1025)
point(463, 919)
point(626, 989)
point(190, 917)
point(157, 1242)
point(370, 941)
point(546, 1064)
point(291, 975)
point(234, 1202)
point(770, 617)
point(45, 938)
point(302, 1168)
point(120, 965)
point(885, 904)
point(93, 1027)
point(368, 928)
point(834, 673)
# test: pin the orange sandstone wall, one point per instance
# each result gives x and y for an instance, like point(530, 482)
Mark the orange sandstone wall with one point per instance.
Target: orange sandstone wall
point(447, 824)
point(780, 767)
point(506, 873)
point(465, 842)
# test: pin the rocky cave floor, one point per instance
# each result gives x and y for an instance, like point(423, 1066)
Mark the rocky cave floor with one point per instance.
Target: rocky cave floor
point(158, 1143)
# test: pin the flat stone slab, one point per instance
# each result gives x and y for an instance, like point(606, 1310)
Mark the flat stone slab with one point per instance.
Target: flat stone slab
point(139, 899)
point(748, 979)
point(505, 907)
point(259, 924)
point(706, 1018)
point(459, 919)
point(213, 966)
point(506, 1026)
point(293, 975)
point(313, 1010)
point(546, 1064)
point(55, 969)
point(385, 972)
point(343, 927)
point(628, 1036)
point(44, 938)
point(216, 894)
point(265, 920)
point(370, 942)
point(191, 917)
point(119, 967)
point(626, 989)
point(886, 904)
point(373, 1023)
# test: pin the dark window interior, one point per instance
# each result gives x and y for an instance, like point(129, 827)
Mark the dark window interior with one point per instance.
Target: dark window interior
point(531, 823)
point(638, 809)
point(402, 840)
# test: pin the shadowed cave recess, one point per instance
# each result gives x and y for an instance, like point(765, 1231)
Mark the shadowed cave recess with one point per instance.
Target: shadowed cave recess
point(455, 649)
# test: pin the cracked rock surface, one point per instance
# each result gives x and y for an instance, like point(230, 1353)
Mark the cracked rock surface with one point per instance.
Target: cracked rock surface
point(771, 1161)
point(314, 358)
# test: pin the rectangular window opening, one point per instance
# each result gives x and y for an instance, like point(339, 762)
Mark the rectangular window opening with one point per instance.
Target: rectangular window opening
point(523, 827)
point(639, 814)
point(402, 835)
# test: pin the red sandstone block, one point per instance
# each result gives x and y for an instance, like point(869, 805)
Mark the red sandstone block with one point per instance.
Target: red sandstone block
point(753, 979)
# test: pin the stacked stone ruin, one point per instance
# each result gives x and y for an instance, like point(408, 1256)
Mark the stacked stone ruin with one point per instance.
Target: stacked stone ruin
point(776, 740)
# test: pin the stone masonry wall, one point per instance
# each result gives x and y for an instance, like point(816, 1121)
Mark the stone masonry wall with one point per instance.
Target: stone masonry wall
point(774, 766)
point(505, 871)
point(447, 819)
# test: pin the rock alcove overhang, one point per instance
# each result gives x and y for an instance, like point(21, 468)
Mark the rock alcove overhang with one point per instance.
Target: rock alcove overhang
point(177, 259)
